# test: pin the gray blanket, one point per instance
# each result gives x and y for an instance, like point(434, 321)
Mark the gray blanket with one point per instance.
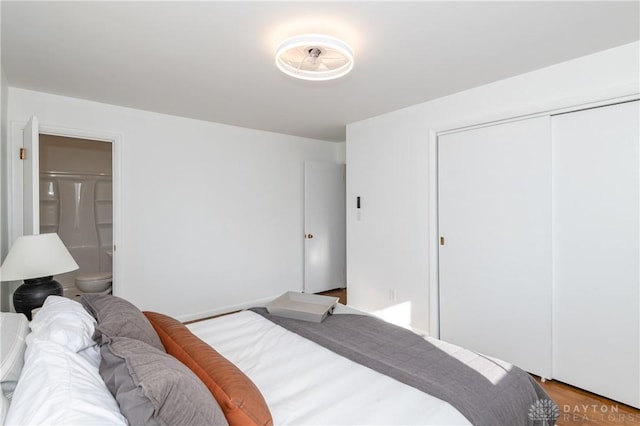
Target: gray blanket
point(516, 399)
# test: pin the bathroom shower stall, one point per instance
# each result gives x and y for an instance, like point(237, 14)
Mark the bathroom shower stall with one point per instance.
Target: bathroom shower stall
point(76, 202)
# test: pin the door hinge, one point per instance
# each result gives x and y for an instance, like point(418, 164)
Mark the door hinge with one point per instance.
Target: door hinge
point(23, 153)
point(441, 241)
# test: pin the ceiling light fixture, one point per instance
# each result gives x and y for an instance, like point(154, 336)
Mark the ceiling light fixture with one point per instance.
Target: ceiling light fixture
point(314, 57)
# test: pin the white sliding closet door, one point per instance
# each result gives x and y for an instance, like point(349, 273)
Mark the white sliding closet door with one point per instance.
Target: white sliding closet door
point(494, 191)
point(596, 198)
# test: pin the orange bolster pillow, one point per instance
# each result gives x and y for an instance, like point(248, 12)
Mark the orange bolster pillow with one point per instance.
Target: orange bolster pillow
point(239, 398)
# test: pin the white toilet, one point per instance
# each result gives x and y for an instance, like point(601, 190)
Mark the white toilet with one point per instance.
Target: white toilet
point(97, 282)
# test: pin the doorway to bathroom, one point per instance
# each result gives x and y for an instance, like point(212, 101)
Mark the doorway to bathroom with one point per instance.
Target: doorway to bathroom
point(76, 202)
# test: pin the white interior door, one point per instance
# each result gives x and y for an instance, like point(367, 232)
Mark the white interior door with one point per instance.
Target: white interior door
point(596, 199)
point(325, 226)
point(494, 214)
point(31, 178)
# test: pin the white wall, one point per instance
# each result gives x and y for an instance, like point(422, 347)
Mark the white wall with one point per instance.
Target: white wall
point(4, 225)
point(210, 216)
point(392, 166)
point(341, 153)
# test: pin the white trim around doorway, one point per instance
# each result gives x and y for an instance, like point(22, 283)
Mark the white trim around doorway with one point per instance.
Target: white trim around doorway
point(14, 174)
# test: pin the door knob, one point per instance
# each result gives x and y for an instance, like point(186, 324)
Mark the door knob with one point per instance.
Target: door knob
point(309, 236)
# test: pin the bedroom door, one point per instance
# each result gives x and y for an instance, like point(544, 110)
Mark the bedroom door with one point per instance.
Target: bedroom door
point(494, 214)
point(325, 226)
point(31, 178)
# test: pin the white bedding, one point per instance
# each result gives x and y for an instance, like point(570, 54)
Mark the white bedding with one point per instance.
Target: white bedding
point(60, 383)
point(304, 383)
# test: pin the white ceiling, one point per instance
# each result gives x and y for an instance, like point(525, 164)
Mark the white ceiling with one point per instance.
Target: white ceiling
point(214, 60)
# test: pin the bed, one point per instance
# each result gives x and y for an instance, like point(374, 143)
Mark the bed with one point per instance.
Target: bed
point(105, 362)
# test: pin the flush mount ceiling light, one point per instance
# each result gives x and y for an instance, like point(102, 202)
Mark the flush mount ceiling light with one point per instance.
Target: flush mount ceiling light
point(314, 57)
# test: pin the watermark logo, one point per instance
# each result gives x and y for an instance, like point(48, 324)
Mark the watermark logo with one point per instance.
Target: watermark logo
point(545, 411)
point(601, 413)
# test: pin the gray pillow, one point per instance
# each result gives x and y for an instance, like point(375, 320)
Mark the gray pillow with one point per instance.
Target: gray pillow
point(154, 388)
point(117, 317)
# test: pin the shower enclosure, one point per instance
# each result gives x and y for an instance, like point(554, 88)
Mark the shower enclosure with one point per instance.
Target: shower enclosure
point(76, 202)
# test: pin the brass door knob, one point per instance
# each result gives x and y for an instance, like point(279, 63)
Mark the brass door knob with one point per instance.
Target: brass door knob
point(309, 236)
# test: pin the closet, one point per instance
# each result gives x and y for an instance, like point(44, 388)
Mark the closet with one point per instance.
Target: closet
point(495, 226)
point(596, 260)
point(539, 260)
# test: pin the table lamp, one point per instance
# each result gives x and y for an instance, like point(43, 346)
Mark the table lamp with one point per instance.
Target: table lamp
point(36, 259)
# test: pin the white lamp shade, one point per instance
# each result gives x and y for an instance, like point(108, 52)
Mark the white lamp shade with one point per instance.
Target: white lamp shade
point(36, 256)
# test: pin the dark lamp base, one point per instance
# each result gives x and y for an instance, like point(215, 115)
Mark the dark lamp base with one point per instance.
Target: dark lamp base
point(33, 293)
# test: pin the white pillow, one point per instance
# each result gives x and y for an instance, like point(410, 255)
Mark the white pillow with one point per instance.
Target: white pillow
point(66, 322)
point(4, 407)
point(13, 331)
point(60, 387)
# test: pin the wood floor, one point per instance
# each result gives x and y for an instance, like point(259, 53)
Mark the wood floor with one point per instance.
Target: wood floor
point(339, 292)
point(577, 407)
